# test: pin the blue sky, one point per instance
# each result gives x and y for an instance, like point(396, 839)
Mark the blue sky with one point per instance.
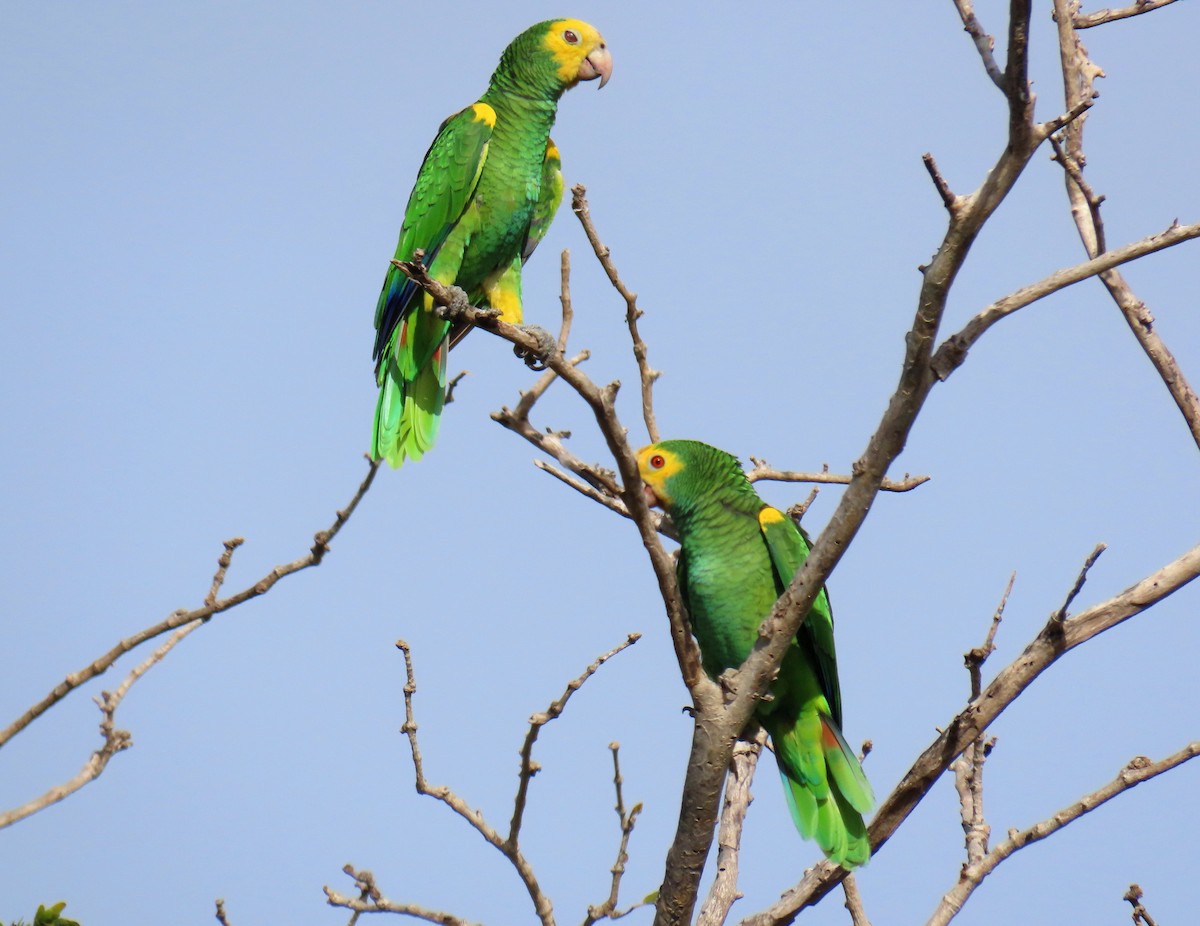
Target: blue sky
point(198, 206)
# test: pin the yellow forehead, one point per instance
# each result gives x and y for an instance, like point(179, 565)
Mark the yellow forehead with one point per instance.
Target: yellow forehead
point(567, 55)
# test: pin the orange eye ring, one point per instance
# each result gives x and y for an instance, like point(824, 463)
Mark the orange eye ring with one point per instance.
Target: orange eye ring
point(658, 461)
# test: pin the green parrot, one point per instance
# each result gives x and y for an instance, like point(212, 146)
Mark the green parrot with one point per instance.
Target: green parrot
point(738, 555)
point(486, 193)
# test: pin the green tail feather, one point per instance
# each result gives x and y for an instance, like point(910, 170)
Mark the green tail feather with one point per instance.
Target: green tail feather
point(824, 784)
point(408, 413)
point(385, 433)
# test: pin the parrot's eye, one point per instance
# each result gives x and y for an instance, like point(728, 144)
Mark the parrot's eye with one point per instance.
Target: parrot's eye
point(657, 461)
point(570, 37)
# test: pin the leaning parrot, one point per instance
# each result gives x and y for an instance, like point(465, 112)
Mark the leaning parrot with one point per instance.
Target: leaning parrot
point(484, 197)
point(738, 555)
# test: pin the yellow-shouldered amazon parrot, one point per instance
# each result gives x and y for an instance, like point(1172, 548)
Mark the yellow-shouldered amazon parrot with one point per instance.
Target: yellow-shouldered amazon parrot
point(485, 195)
point(738, 555)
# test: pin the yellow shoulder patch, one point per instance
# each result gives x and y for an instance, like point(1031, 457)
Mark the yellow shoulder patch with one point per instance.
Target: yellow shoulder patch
point(552, 151)
point(769, 516)
point(484, 114)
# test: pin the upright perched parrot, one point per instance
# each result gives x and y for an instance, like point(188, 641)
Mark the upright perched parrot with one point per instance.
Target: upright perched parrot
point(738, 555)
point(486, 193)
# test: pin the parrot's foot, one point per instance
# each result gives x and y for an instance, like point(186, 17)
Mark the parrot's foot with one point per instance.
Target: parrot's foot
point(547, 347)
point(689, 710)
point(457, 310)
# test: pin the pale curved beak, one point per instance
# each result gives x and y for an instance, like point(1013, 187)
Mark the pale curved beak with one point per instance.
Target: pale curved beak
point(597, 64)
point(651, 498)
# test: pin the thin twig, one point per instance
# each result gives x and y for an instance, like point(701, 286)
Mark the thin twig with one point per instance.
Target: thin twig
point(762, 471)
point(975, 658)
point(1061, 614)
point(564, 298)
point(968, 767)
point(984, 43)
point(222, 568)
point(182, 616)
point(950, 200)
point(371, 900)
point(529, 768)
point(453, 384)
point(541, 902)
point(797, 511)
point(1141, 916)
point(1091, 198)
point(608, 908)
point(1100, 17)
point(508, 846)
point(647, 375)
point(220, 913)
point(854, 902)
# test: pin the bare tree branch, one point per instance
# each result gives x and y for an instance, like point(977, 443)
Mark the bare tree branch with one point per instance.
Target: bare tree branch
point(1138, 770)
point(724, 890)
point(608, 908)
point(371, 900)
point(182, 616)
point(610, 502)
point(182, 622)
point(762, 471)
point(541, 903)
point(1079, 76)
point(508, 846)
point(951, 353)
point(1100, 17)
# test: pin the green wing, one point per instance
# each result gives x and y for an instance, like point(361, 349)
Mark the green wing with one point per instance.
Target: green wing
point(789, 549)
point(548, 200)
point(445, 186)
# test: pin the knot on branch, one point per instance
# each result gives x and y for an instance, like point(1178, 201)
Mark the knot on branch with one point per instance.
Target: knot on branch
point(949, 356)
